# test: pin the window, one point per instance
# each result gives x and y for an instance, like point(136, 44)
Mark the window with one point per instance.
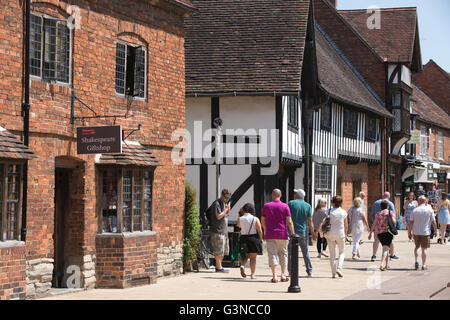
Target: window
point(127, 199)
point(371, 129)
point(50, 49)
point(396, 99)
point(350, 123)
point(440, 145)
point(424, 141)
point(10, 201)
point(322, 177)
point(435, 145)
point(325, 117)
point(293, 113)
point(397, 121)
point(356, 187)
point(131, 72)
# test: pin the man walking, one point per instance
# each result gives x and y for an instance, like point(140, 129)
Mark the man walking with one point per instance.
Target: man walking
point(375, 209)
point(301, 215)
point(220, 209)
point(275, 219)
point(419, 224)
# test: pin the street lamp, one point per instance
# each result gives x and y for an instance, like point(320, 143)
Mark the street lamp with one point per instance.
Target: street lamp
point(217, 123)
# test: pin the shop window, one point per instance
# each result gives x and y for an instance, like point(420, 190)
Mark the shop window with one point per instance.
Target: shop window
point(371, 129)
point(322, 177)
point(440, 145)
point(126, 199)
point(50, 53)
point(293, 113)
point(10, 201)
point(131, 76)
point(350, 123)
point(325, 117)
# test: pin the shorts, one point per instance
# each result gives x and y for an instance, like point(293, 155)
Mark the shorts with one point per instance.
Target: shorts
point(277, 251)
point(422, 241)
point(219, 244)
point(385, 238)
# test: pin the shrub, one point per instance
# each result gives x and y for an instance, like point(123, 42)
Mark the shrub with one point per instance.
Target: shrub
point(191, 227)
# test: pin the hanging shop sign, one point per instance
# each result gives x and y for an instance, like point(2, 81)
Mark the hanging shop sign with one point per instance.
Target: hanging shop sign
point(105, 139)
point(430, 172)
point(415, 137)
point(442, 177)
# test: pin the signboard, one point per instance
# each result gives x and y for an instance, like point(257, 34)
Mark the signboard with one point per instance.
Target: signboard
point(442, 177)
point(415, 137)
point(430, 172)
point(105, 139)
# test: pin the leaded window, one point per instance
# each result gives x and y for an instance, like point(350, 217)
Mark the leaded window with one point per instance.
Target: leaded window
point(397, 120)
point(50, 52)
point(440, 145)
point(293, 113)
point(10, 201)
point(396, 99)
point(322, 177)
point(131, 70)
point(350, 123)
point(126, 199)
point(325, 117)
point(371, 128)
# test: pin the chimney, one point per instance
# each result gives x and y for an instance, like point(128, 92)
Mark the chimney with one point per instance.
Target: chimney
point(333, 2)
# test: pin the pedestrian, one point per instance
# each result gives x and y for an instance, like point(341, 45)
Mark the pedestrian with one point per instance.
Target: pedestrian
point(358, 222)
point(318, 215)
point(381, 228)
point(421, 219)
point(218, 213)
point(275, 219)
point(375, 209)
point(362, 195)
point(301, 214)
point(409, 206)
point(250, 239)
point(443, 217)
point(336, 235)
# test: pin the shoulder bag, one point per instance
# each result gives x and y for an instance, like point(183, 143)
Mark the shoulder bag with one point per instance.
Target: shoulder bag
point(391, 226)
point(326, 225)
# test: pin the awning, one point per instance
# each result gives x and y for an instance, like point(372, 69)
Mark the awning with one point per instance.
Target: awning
point(133, 153)
point(12, 148)
point(420, 175)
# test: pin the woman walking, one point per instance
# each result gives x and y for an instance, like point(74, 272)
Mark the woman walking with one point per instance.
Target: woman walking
point(250, 239)
point(358, 221)
point(318, 215)
point(409, 206)
point(336, 235)
point(443, 217)
point(381, 227)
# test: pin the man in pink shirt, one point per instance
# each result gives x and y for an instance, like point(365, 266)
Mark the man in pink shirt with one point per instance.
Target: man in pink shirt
point(275, 219)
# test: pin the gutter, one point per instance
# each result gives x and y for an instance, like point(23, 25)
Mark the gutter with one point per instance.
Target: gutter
point(241, 93)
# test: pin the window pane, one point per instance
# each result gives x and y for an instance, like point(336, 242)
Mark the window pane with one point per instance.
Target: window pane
point(371, 128)
point(396, 99)
point(350, 122)
point(326, 116)
point(35, 45)
point(120, 68)
point(12, 202)
point(396, 122)
point(50, 49)
point(139, 73)
point(137, 200)
point(126, 226)
point(62, 52)
point(147, 200)
point(109, 204)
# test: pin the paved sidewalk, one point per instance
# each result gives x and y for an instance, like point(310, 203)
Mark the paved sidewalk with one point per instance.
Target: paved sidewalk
point(400, 282)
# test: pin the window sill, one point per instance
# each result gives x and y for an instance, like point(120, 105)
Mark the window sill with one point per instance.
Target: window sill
point(11, 244)
point(52, 82)
point(120, 95)
point(126, 234)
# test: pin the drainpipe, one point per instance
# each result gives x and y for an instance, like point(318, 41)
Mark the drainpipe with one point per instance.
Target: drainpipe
point(26, 116)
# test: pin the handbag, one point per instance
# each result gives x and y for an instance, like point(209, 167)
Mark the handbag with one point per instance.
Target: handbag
point(326, 225)
point(391, 226)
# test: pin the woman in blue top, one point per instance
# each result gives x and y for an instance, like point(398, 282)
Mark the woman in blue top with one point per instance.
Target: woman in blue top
point(443, 217)
point(409, 206)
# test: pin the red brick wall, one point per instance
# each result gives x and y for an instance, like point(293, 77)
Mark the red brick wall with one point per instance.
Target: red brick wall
point(103, 22)
point(12, 272)
point(361, 57)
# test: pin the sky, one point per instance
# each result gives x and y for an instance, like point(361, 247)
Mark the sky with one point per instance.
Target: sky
point(434, 24)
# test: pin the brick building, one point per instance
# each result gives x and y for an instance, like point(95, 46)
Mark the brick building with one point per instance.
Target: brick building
point(118, 219)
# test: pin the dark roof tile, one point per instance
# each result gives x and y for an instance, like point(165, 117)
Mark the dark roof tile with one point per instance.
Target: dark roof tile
point(132, 154)
point(12, 148)
point(427, 109)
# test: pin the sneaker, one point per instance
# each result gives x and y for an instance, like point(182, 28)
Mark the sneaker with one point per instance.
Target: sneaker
point(243, 272)
point(439, 241)
point(424, 267)
point(373, 258)
point(252, 276)
point(339, 273)
point(416, 266)
point(309, 275)
point(319, 255)
point(222, 270)
point(394, 257)
point(333, 276)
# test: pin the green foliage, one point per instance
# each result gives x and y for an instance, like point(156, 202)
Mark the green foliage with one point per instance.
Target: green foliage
point(191, 227)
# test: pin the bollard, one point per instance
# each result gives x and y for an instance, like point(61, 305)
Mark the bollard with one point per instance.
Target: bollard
point(294, 287)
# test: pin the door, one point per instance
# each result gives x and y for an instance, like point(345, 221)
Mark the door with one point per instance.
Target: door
point(62, 209)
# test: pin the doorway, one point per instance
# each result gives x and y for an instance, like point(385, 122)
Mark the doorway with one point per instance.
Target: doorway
point(62, 211)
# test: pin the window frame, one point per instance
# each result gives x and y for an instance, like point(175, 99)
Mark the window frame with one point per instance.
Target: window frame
point(369, 137)
point(424, 141)
point(4, 200)
point(317, 177)
point(145, 49)
point(42, 52)
point(121, 172)
point(440, 138)
point(292, 107)
point(346, 126)
point(323, 124)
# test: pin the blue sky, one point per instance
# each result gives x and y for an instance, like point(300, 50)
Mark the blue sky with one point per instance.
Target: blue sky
point(434, 24)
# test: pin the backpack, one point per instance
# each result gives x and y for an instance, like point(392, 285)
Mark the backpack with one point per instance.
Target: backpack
point(206, 217)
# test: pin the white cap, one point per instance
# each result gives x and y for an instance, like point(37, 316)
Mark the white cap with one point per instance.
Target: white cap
point(301, 193)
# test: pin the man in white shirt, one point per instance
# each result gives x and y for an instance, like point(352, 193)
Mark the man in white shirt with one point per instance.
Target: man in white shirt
point(420, 221)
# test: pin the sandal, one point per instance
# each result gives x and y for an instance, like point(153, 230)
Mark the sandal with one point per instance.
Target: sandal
point(382, 268)
point(284, 280)
point(273, 280)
